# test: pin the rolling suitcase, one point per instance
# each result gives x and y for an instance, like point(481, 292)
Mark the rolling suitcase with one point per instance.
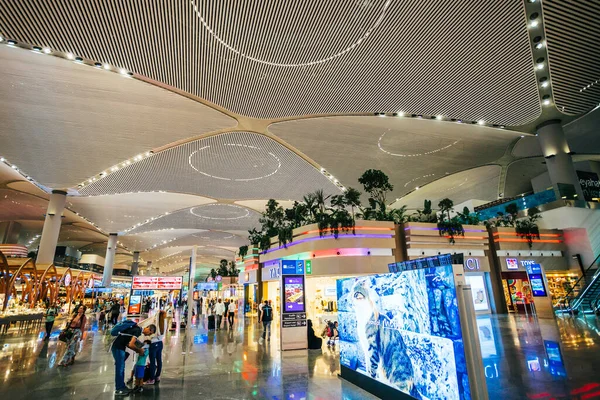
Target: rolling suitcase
point(211, 322)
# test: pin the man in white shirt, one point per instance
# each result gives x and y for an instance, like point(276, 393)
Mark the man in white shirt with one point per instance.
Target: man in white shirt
point(231, 312)
point(219, 311)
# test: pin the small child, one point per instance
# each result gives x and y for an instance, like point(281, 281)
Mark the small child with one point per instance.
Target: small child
point(140, 368)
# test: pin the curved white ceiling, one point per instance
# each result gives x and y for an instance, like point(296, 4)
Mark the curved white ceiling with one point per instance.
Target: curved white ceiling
point(62, 122)
point(520, 173)
point(119, 212)
point(235, 165)
point(411, 151)
point(216, 216)
point(145, 240)
point(309, 57)
point(477, 183)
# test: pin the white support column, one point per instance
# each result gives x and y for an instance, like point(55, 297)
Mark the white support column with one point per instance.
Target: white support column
point(111, 249)
point(190, 293)
point(136, 263)
point(51, 228)
point(558, 160)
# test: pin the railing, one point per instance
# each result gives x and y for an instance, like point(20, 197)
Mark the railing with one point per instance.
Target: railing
point(595, 304)
point(568, 295)
point(523, 203)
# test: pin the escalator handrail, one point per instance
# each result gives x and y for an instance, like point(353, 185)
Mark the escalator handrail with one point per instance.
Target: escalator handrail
point(582, 293)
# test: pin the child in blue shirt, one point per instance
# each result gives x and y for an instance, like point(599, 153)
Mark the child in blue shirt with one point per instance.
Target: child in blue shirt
point(140, 367)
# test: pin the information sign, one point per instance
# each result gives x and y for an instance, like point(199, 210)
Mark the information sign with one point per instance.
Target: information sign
point(157, 282)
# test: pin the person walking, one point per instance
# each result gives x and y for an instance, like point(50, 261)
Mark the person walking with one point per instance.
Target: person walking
point(115, 309)
point(219, 311)
point(260, 307)
point(266, 318)
point(231, 309)
point(127, 339)
point(156, 348)
point(51, 313)
point(77, 327)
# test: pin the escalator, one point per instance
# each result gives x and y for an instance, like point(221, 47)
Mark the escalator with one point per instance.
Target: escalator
point(587, 300)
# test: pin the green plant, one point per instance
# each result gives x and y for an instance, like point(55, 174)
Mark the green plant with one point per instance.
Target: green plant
point(468, 218)
point(213, 273)
point(377, 184)
point(232, 269)
point(424, 215)
point(448, 225)
point(527, 228)
point(223, 270)
point(243, 251)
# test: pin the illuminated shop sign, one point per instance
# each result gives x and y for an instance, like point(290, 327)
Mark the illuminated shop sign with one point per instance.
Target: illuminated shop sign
point(512, 263)
point(157, 282)
point(472, 264)
point(292, 267)
point(274, 273)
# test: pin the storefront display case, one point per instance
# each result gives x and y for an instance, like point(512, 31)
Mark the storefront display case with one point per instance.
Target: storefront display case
point(559, 284)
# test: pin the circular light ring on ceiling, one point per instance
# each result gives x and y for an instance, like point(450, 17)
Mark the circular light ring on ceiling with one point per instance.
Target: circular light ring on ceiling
point(245, 210)
point(417, 178)
point(286, 65)
point(415, 154)
point(277, 160)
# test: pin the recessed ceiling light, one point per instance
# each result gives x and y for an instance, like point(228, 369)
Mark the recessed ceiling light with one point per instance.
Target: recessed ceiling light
point(481, 122)
point(545, 84)
point(439, 117)
point(522, 135)
point(534, 23)
point(539, 45)
point(546, 102)
point(106, 66)
point(1, 39)
point(2, 159)
point(11, 43)
point(539, 66)
point(47, 50)
point(70, 56)
point(123, 71)
point(417, 188)
point(14, 167)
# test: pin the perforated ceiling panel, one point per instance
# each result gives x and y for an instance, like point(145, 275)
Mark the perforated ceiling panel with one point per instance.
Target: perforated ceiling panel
point(468, 60)
point(209, 216)
point(61, 122)
point(117, 213)
point(412, 151)
point(572, 31)
point(237, 165)
point(146, 240)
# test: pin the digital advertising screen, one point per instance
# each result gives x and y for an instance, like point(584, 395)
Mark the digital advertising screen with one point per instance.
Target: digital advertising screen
point(537, 285)
point(555, 360)
point(135, 305)
point(293, 287)
point(402, 331)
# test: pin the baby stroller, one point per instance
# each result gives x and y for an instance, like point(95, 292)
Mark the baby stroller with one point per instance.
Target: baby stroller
point(331, 331)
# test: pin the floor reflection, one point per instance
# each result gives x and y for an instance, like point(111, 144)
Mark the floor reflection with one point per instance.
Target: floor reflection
point(523, 358)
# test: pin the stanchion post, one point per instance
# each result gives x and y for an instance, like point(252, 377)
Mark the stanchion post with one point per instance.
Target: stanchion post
point(470, 332)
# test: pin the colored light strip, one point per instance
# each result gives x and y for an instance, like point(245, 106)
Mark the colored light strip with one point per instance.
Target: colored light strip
point(362, 236)
point(419, 228)
point(525, 240)
point(515, 234)
point(356, 228)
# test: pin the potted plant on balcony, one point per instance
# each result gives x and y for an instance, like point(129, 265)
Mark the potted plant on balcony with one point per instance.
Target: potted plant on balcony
point(448, 225)
point(527, 228)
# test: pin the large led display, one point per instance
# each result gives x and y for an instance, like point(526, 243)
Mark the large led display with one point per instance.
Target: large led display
point(403, 330)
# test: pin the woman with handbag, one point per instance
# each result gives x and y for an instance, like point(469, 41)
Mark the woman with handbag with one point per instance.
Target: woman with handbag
point(71, 336)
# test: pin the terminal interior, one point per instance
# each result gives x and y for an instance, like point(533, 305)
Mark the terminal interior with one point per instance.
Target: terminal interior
point(417, 183)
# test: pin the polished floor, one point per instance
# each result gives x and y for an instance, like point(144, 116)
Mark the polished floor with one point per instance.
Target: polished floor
point(523, 358)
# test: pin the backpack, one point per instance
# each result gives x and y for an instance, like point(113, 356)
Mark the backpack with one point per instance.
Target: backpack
point(122, 326)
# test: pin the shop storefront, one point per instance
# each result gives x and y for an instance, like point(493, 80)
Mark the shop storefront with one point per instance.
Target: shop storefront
point(249, 280)
point(525, 281)
point(477, 274)
point(271, 284)
point(560, 283)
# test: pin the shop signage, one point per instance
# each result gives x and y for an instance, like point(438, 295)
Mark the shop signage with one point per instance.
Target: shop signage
point(292, 267)
point(274, 273)
point(512, 263)
point(527, 263)
point(472, 264)
point(157, 282)
point(293, 317)
point(207, 286)
point(590, 185)
point(68, 279)
point(308, 265)
point(135, 305)
point(293, 324)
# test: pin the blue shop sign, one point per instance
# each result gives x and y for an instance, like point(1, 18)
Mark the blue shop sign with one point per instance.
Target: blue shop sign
point(292, 267)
